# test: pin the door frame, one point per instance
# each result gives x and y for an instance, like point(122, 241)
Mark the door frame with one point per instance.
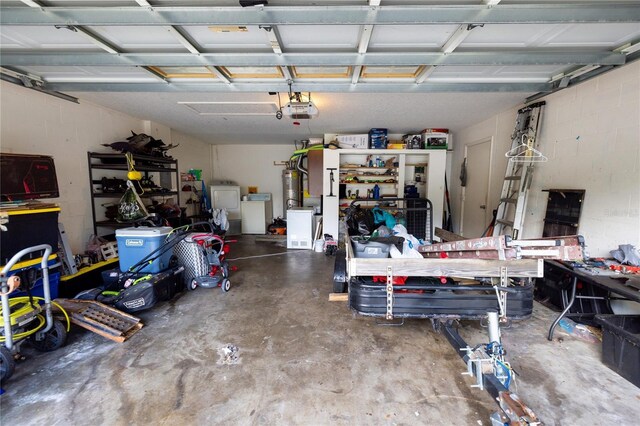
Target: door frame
point(464, 188)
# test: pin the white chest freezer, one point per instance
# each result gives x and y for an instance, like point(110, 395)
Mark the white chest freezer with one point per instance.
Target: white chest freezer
point(300, 228)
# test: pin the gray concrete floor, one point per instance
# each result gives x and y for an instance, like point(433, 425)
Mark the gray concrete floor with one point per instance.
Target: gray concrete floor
point(302, 360)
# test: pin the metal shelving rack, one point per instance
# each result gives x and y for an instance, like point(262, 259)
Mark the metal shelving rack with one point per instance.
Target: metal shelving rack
point(160, 165)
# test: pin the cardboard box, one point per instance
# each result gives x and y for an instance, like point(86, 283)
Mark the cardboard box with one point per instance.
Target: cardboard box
point(435, 139)
point(353, 141)
point(378, 139)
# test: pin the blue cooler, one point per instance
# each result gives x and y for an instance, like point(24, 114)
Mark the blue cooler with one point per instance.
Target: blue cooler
point(136, 243)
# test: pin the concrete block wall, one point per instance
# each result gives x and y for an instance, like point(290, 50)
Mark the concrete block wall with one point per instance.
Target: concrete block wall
point(36, 123)
point(591, 135)
point(253, 165)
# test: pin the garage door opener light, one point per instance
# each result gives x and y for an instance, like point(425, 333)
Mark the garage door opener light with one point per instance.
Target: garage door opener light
point(299, 107)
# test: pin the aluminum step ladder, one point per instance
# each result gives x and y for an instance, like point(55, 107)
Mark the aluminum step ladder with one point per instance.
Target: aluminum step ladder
point(519, 174)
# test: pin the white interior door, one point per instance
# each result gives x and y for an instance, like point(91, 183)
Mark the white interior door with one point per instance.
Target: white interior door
point(477, 214)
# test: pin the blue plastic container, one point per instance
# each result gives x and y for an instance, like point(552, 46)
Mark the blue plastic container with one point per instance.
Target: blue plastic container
point(38, 291)
point(134, 244)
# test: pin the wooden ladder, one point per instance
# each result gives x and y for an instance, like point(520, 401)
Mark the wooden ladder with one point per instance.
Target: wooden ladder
point(519, 173)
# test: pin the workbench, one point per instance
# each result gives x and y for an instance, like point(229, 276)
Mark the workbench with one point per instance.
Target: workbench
point(610, 284)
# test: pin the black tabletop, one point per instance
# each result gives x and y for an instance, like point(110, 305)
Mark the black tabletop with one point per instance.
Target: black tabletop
point(614, 284)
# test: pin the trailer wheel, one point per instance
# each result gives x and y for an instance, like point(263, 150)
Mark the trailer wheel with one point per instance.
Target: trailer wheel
point(192, 285)
point(225, 285)
point(53, 339)
point(7, 364)
point(340, 272)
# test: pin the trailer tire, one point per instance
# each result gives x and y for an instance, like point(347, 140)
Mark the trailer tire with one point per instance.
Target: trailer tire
point(7, 364)
point(340, 272)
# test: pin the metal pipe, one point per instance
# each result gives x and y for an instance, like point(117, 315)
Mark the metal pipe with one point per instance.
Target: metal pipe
point(6, 316)
point(299, 165)
point(493, 327)
point(6, 313)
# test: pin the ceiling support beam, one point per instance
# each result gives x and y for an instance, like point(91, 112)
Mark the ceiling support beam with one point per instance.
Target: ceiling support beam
point(156, 74)
point(274, 38)
point(222, 76)
point(108, 47)
point(533, 57)
point(188, 44)
point(31, 3)
point(288, 75)
point(542, 13)
point(456, 38)
point(282, 86)
point(424, 74)
point(97, 40)
point(355, 76)
point(365, 37)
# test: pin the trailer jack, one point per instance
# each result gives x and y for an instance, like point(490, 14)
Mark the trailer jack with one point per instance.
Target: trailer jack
point(492, 373)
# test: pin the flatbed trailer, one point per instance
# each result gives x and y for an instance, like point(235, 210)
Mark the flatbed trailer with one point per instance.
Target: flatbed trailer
point(438, 289)
point(444, 291)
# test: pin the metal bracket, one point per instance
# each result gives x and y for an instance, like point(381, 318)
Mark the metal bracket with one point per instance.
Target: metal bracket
point(502, 295)
point(478, 364)
point(389, 315)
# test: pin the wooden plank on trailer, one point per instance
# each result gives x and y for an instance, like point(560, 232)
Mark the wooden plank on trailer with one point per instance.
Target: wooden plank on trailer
point(445, 235)
point(522, 268)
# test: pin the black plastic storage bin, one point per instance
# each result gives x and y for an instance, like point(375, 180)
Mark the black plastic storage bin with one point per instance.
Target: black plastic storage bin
point(621, 345)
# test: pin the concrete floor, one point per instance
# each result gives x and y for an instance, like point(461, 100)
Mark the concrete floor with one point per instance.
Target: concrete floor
point(302, 360)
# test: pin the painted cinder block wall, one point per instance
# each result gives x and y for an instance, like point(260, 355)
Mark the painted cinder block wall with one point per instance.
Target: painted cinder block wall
point(35, 123)
point(591, 135)
point(253, 165)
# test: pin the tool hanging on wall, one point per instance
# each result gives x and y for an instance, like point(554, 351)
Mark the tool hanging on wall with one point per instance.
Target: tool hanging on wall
point(331, 180)
point(447, 222)
point(519, 174)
